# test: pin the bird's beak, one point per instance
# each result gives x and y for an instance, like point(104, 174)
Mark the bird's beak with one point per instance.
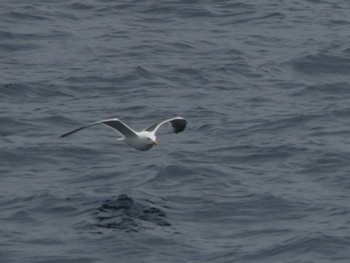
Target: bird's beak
point(155, 142)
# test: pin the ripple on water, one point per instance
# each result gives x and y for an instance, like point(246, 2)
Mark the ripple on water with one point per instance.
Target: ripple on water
point(124, 213)
point(322, 64)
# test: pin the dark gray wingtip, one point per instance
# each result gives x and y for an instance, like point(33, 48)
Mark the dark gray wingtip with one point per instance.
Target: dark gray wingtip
point(178, 125)
point(69, 133)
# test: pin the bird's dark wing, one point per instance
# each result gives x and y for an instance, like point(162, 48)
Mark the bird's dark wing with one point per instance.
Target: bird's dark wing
point(178, 124)
point(115, 124)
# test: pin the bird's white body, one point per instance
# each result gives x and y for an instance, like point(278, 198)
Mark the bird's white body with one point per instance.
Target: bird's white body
point(143, 140)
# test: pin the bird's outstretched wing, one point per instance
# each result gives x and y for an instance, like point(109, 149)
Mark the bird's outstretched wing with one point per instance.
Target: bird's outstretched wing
point(115, 124)
point(178, 124)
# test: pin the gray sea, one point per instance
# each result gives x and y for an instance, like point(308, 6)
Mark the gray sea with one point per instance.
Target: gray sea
point(261, 174)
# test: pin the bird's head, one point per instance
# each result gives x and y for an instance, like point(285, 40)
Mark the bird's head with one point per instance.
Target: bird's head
point(152, 139)
point(149, 138)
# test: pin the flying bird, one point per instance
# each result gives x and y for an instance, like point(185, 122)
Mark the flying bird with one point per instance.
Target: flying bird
point(143, 140)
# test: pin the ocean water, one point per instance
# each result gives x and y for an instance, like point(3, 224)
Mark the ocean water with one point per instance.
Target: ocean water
point(261, 174)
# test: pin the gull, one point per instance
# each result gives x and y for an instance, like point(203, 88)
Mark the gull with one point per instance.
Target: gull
point(143, 140)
